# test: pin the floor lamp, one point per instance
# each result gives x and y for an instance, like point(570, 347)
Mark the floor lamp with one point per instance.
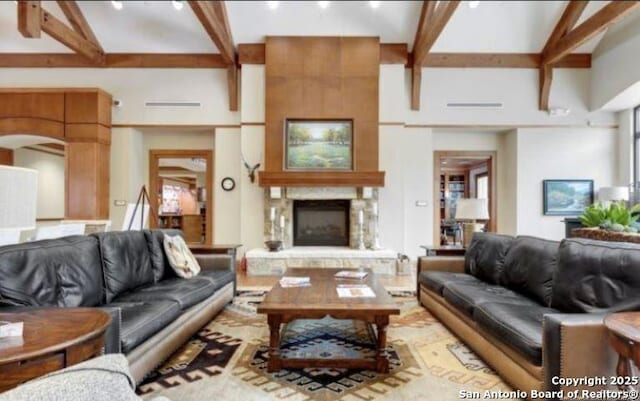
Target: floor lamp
point(471, 209)
point(18, 200)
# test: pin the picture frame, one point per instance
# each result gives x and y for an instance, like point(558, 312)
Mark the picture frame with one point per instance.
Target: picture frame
point(318, 145)
point(566, 197)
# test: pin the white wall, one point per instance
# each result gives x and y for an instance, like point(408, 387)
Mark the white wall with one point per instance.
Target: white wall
point(135, 86)
point(614, 68)
point(50, 203)
point(551, 153)
point(508, 183)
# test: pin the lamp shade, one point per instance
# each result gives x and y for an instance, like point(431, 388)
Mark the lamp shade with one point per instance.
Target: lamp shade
point(613, 194)
point(472, 209)
point(18, 197)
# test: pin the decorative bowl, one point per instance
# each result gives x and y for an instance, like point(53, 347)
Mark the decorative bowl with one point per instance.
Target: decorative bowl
point(273, 246)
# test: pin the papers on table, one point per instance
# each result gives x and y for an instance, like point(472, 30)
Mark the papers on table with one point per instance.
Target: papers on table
point(358, 275)
point(355, 291)
point(288, 282)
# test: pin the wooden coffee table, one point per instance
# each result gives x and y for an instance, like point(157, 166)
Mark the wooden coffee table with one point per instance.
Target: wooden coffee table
point(624, 334)
point(283, 305)
point(52, 340)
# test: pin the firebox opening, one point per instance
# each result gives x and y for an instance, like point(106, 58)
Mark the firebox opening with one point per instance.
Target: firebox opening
point(321, 222)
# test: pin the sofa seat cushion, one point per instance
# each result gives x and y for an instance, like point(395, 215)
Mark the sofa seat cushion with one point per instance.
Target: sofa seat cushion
point(436, 281)
point(467, 296)
point(141, 320)
point(186, 292)
point(219, 278)
point(517, 325)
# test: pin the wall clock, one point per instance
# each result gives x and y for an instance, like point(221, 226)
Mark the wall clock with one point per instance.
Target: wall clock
point(228, 184)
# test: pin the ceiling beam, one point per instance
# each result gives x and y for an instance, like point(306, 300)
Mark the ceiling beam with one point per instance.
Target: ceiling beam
point(254, 54)
point(29, 18)
point(567, 21)
point(77, 20)
point(112, 60)
point(438, 21)
point(609, 14)
point(70, 38)
point(433, 19)
point(232, 83)
point(211, 15)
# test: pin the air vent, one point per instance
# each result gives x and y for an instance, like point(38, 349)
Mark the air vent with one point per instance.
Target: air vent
point(479, 105)
point(172, 104)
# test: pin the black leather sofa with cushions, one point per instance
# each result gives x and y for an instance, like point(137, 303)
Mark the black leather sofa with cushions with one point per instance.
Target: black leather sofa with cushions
point(126, 273)
point(534, 309)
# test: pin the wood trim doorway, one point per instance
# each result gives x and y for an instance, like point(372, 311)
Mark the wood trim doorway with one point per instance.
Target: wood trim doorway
point(491, 157)
point(155, 155)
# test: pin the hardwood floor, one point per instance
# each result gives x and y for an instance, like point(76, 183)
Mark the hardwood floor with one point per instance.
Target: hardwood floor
point(245, 282)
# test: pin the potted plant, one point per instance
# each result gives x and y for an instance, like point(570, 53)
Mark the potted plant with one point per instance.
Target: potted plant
point(612, 222)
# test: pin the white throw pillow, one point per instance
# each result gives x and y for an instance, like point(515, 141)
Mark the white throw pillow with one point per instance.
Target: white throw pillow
point(180, 257)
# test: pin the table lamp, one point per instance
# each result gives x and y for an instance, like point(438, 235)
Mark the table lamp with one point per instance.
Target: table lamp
point(471, 210)
point(613, 194)
point(18, 200)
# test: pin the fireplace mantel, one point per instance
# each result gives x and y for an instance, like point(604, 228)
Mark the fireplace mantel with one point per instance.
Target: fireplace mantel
point(321, 179)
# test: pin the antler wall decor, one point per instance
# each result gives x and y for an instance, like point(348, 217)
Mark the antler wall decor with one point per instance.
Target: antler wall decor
point(251, 170)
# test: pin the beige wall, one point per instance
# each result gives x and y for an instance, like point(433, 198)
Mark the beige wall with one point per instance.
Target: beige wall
point(50, 168)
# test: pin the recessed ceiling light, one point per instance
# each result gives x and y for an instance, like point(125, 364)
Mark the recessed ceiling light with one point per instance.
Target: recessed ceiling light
point(323, 4)
point(116, 4)
point(474, 4)
point(177, 4)
point(374, 4)
point(273, 4)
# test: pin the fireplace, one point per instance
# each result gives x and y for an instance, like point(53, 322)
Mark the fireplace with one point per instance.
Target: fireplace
point(321, 222)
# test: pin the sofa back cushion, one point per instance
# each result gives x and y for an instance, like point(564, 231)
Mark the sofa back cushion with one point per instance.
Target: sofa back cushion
point(485, 256)
point(597, 276)
point(126, 262)
point(58, 272)
point(529, 268)
point(159, 261)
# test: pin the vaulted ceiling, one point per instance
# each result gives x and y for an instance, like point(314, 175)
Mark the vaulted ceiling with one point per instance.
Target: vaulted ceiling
point(157, 27)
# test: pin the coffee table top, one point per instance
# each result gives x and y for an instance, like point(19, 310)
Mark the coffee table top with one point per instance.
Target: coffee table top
point(624, 324)
point(322, 295)
point(50, 330)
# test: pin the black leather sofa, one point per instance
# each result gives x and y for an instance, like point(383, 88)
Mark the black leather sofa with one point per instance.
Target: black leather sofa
point(534, 309)
point(126, 273)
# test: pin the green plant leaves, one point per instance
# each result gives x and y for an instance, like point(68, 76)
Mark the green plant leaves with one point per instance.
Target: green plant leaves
point(616, 213)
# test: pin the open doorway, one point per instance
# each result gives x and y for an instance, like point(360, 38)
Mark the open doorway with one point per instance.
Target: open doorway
point(457, 175)
point(180, 189)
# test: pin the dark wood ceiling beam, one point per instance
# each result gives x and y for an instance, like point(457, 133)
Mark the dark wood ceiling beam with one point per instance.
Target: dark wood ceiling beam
point(77, 20)
point(441, 16)
point(567, 21)
point(609, 14)
point(70, 38)
point(29, 18)
point(210, 15)
point(432, 21)
point(389, 54)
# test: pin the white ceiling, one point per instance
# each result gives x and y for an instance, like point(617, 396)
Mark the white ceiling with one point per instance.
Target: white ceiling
point(156, 27)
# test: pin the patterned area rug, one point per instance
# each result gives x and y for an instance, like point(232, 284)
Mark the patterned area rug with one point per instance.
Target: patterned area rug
point(227, 360)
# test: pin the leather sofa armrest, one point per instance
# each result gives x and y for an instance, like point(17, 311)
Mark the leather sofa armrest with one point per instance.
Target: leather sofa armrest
point(454, 264)
point(573, 346)
point(112, 340)
point(215, 262)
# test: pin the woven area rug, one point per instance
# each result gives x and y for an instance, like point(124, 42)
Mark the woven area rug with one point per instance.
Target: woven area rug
point(227, 360)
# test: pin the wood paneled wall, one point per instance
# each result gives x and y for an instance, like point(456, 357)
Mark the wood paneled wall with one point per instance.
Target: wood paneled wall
point(323, 78)
point(6, 157)
point(81, 118)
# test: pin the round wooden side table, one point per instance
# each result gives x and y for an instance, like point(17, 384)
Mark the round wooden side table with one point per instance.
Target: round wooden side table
point(52, 340)
point(624, 334)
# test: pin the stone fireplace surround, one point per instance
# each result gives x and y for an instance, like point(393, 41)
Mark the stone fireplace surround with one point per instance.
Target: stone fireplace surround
point(262, 262)
point(284, 207)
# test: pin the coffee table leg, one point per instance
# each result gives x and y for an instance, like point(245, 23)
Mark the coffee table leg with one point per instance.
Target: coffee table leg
point(274, 363)
point(382, 357)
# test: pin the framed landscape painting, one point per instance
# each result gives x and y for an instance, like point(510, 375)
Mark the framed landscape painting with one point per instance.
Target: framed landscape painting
point(567, 197)
point(319, 144)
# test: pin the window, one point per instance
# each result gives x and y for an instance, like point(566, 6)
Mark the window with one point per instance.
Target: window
point(636, 151)
point(482, 186)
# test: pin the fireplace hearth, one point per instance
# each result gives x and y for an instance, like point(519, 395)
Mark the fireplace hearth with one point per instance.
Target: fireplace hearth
point(321, 222)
